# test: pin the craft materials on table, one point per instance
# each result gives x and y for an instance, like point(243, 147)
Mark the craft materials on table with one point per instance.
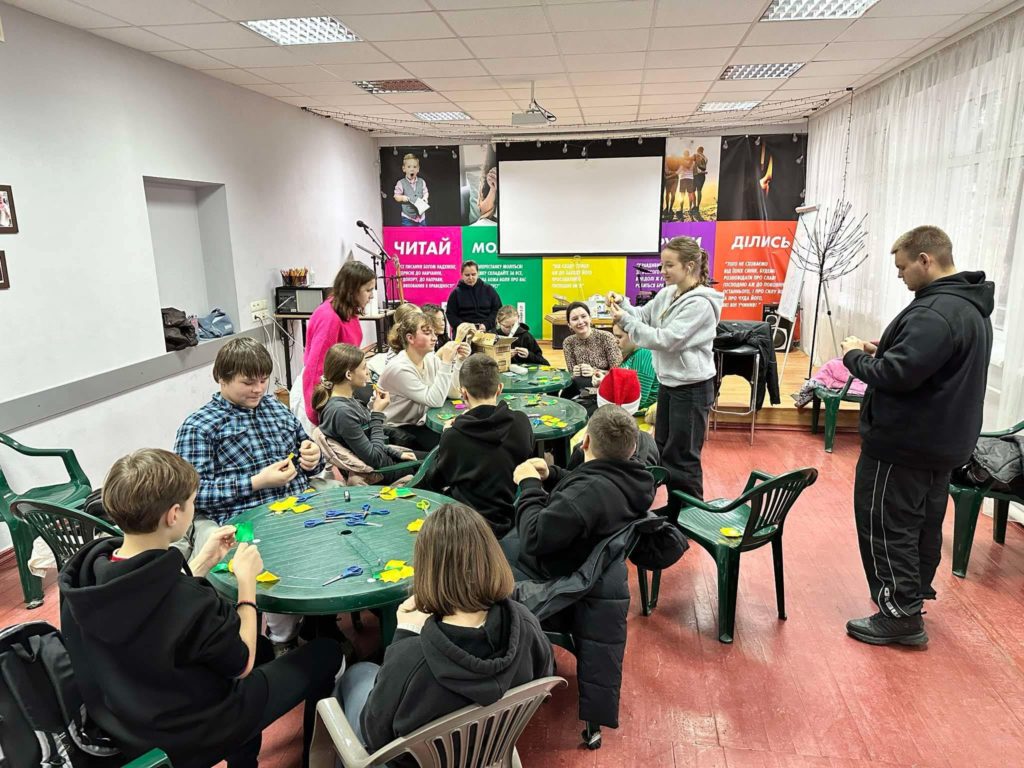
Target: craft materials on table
point(352, 570)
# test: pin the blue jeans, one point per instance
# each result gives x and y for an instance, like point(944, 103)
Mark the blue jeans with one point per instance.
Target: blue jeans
point(410, 223)
point(353, 690)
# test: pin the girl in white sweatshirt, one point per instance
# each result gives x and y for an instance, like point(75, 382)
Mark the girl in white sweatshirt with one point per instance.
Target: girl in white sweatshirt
point(418, 379)
point(679, 328)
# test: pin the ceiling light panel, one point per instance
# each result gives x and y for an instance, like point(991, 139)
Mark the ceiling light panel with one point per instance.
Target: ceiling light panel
point(377, 87)
point(727, 106)
point(760, 71)
point(793, 10)
point(307, 30)
point(440, 117)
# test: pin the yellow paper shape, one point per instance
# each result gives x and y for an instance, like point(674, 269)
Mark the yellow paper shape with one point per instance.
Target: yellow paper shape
point(393, 575)
point(456, 402)
point(394, 564)
point(291, 456)
point(388, 494)
point(415, 525)
point(267, 578)
point(283, 504)
point(300, 508)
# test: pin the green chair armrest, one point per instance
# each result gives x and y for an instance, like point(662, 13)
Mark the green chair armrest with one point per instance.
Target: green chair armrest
point(693, 501)
point(425, 467)
point(401, 465)
point(152, 759)
point(67, 455)
point(333, 737)
point(1004, 432)
point(756, 475)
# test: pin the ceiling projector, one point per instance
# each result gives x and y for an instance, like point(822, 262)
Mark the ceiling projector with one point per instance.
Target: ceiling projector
point(535, 114)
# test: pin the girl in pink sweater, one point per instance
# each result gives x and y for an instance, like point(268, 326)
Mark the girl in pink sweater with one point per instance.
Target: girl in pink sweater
point(336, 321)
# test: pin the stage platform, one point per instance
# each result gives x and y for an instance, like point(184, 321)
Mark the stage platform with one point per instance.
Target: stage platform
point(736, 392)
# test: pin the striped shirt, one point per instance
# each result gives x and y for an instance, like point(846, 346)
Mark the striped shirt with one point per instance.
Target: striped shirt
point(641, 362)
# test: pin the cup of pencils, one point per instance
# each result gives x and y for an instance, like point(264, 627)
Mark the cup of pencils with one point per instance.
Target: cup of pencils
point(295, 276)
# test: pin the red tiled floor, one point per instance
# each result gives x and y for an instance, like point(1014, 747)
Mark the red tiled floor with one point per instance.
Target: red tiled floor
point(793, 694)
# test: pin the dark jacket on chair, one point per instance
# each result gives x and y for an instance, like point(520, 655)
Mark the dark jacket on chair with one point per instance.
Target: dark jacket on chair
point(735, 333)
point(926, 383)
point(446, 668)
point(590, 604)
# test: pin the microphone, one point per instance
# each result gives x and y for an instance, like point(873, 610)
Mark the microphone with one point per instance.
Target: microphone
point(361, 224)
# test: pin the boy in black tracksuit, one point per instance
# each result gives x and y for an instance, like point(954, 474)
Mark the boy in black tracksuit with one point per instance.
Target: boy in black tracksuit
point(559, 528)
point(161, 659)
point(525, 348)
point(477, 455)
point(920, 419)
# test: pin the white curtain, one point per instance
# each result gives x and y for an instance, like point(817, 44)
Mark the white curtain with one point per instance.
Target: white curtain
point(941, 143)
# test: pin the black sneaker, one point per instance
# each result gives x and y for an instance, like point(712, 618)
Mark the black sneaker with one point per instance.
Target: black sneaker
point(880, 629)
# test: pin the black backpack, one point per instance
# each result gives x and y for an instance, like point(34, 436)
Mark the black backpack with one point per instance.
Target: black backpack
point(42, 719)
point(179, 333)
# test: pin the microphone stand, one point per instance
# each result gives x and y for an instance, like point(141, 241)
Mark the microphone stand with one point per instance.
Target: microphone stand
point(382, 256)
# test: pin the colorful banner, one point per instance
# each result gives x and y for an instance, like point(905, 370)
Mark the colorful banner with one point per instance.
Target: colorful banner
point(749, 184)
point(430, 258)
point(577, 279)
point(750, 264)
point(515, 280)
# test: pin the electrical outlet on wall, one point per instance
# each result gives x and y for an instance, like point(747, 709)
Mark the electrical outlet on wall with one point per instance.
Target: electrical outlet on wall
point(259, 311)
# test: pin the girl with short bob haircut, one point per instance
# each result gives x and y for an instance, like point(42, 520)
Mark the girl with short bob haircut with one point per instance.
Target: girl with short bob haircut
point(461, 639)
point(419, 379)
point(346, 420)
point(336, 321)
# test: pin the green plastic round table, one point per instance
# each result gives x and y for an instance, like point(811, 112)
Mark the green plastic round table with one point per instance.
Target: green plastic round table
point(536, 380)
point(304, 558)
point(573, 415)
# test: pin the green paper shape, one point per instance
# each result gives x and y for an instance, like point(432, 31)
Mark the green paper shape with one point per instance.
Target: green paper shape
point(243, 532)
point(403, 493)
point(219, 568)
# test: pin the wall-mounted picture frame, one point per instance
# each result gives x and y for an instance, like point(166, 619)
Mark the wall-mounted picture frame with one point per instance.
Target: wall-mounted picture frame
point(8, 218)
point(5, 279)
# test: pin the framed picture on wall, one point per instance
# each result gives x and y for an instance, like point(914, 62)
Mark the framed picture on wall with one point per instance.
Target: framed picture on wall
point(8, 219)
point(5, 279)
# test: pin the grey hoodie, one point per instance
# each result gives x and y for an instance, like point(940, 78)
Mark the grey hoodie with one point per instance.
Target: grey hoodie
point(678, 331)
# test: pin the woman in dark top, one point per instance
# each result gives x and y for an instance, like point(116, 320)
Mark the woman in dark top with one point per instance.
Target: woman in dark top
point(472, 300)
point(461, 640)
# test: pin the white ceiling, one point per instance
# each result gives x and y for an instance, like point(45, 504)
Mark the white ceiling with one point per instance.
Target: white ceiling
point(595, 62)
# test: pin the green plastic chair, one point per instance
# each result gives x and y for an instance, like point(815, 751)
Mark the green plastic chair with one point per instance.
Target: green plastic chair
point(152, 759)
point(425, 466)
point(64, 530)
point(69, 494)
point(649, 595)
point(967, 500)
point(760, 512)
point(831, 398)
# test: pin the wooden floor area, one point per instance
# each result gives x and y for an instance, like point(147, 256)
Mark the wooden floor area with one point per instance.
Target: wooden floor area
point(785, 694)
point(736, 394)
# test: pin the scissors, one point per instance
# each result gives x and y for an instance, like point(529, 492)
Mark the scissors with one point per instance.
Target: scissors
point(315, 523)
point(352, 570)
point(341, 514)
point(354, 521)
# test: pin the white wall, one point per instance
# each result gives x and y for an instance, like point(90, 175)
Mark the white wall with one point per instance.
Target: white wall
point(177, 247)
point(83, 120)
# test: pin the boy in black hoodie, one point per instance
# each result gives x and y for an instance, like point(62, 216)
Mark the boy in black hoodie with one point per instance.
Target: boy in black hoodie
point(559, 528)
point(477, 455)
point(162, 660)
point(525, 348)
point(920, 419)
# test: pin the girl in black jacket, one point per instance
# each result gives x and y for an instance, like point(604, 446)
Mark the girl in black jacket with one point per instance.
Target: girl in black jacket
point(472, 300)
point(461, 640)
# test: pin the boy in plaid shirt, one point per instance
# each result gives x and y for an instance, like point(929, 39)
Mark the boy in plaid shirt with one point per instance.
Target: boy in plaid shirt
point(240, 442)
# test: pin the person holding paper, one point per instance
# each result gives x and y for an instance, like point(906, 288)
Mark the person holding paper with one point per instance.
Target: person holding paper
point(411, 192)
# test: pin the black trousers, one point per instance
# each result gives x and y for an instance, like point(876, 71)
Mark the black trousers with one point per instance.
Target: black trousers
point(679, 429)
point(305, 674)
point(899, 512)
point(417, 436)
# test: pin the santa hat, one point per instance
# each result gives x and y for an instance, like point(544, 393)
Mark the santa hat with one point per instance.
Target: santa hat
point(621, 386)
